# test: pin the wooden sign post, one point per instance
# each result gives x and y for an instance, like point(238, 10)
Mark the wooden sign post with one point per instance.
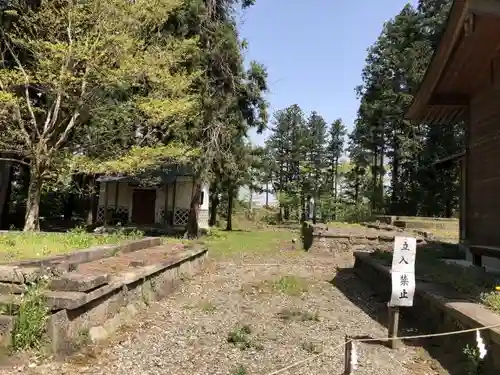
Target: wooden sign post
point(403, 282)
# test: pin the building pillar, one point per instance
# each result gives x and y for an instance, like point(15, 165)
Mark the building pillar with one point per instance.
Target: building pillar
point(204, 207)
point(106, 202)
point(165, 206)
point(173, 201)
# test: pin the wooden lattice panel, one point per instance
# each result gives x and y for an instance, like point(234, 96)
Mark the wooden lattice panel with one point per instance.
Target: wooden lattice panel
point(181, 216)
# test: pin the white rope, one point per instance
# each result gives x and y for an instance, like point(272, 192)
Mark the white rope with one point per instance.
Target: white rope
point(295, 364)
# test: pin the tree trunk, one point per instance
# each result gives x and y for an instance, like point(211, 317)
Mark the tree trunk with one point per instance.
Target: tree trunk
point(267, 194)
point(229, 224)
point(5, 188)
point(395, 195)
point(374, 193)
point(192, 224)
point(315, 212)
point(5, 221)
point(302, 206)
point(286, 213)
point(380, 189)
point(214, 203)
point(335, 187)
point(250, 199)
point(32, 218)
point(356, 187)
point(69, 205)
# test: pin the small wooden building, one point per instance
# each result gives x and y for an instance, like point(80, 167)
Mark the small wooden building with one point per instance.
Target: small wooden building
point(163, 203)
point(463, 83)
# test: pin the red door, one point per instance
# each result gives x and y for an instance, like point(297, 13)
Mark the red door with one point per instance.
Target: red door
point(143, 206)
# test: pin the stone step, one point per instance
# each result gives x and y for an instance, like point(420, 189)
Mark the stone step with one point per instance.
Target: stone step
point(77, 282)
point(18, 275)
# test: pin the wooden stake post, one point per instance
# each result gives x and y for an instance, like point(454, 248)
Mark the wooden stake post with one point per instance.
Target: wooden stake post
point(403, 283)
point(347, 356)
point(393, 327)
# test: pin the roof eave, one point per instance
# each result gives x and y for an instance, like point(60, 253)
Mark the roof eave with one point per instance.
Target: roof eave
point(455, 20)
point(449, 159)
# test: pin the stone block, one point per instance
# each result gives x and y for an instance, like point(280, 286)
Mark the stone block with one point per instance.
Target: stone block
point(57, 330)
point(77, 282)
point(57, 300)
point(131, 310)
point(12, 288)
point(20, 275)
point(6, 326)
point(97, 334)
point(112, 325)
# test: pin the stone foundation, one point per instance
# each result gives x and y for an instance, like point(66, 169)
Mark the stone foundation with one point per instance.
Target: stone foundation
point(332, 239)
point(101, 317)
point(93, 292)
point(441, 310)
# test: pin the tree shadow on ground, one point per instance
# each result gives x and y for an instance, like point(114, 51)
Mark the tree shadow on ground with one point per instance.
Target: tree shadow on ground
point(448, 351)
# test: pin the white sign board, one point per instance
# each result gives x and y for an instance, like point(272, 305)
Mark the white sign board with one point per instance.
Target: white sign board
point(403, 271)
point(404, 253)
point(403, 289)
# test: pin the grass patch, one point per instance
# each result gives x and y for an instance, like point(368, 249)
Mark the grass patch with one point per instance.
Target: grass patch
point(241, 337)
point(451, 236)
point(21, 246)
point(234, 243)
point(342, 224)
point(298, 315)
point(290, 285)
point(207, 306)
point(239, 370)
point(29, 325)
point(473, 282)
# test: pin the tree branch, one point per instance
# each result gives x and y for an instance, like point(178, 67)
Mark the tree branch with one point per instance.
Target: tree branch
point(16, 161)
point(51, 120)
point(19, 118)
point(26, 87)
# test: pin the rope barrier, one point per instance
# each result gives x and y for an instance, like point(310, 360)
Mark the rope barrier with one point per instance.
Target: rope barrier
point(412, 337)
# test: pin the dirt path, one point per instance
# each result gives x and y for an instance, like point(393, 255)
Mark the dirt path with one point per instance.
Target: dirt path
point(277, 309)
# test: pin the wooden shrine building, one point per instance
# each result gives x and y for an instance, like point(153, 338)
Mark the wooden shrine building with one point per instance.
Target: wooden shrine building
point(162, 200)
point(462, 82)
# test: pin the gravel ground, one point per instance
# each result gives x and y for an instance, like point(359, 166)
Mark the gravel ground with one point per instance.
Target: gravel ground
point(187, 333)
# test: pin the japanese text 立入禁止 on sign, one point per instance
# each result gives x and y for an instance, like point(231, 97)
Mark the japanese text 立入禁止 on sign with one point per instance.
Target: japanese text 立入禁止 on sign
point(403, 271)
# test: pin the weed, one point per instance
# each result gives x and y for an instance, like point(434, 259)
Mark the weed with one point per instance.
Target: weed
point(240, 337)
point(239, 370)
point(311, 347)
point(207, 306)
point(145, 293)
point(8, 309)
point(154, 285)
point(29, 325)
point(295, 314)
point(83, 338)
point(491, 299)
point(290, 285)
point(474, 364)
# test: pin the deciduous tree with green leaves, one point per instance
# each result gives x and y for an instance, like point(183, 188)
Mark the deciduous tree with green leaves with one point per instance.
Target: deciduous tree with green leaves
point(76, 66)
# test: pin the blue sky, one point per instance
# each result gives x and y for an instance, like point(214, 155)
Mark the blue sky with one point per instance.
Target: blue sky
point(314, 50)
